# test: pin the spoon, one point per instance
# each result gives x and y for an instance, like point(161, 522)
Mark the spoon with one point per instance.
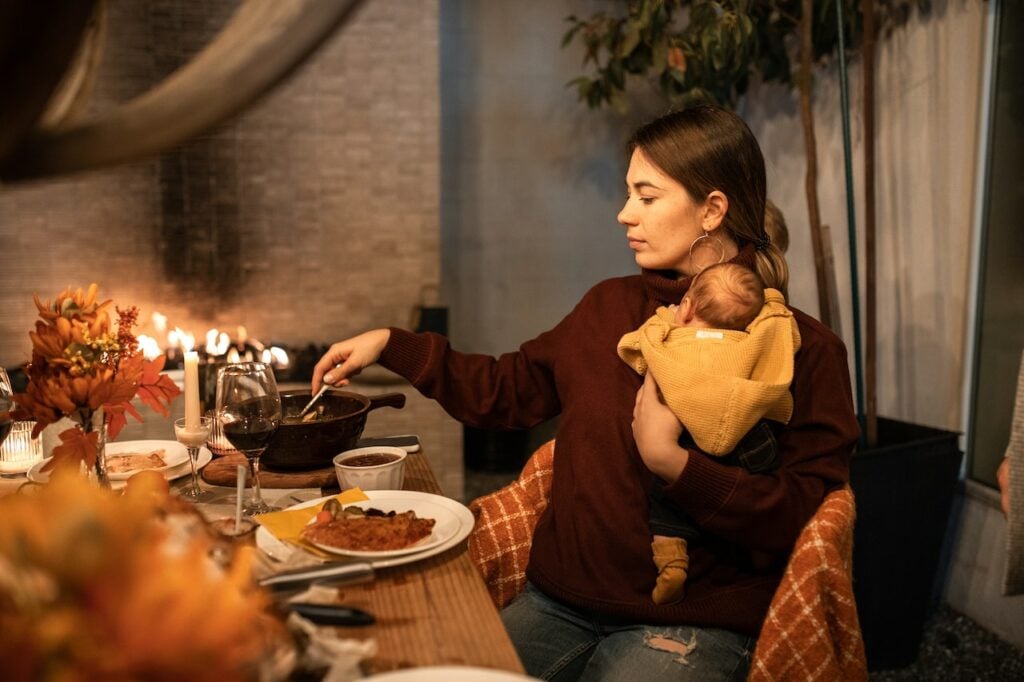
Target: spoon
point(311, 403)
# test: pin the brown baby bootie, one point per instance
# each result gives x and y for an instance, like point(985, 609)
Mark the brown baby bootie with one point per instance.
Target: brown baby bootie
point(673, 562)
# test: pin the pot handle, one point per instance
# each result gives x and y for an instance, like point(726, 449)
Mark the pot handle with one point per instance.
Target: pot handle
point(396, 400)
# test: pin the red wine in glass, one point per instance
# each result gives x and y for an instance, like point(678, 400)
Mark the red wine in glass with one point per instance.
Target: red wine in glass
point(249, 411)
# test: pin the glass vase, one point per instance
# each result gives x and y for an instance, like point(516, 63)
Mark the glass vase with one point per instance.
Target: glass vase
point(98, 423)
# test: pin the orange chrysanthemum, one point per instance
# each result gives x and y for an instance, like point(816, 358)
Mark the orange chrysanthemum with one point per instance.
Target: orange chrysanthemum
point(96, 585)
point(81, 363)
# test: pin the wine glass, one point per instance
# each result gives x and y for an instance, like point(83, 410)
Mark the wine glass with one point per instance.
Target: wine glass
point(193, 439)
point(6, 405)
point(249, 410)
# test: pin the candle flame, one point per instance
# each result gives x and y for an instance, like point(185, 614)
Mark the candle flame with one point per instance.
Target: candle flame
point(217, 342)
point(149, 347)
point(181, 339)
point(280, 356)
point(159, 322)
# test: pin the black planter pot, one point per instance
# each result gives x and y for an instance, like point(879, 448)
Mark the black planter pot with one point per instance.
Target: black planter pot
point(904, 489)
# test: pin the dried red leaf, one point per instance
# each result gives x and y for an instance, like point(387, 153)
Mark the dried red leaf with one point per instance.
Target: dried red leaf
point(76, 446)
point(153, 388)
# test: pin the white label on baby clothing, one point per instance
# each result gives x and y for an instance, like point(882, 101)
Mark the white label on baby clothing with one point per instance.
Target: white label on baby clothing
point(708, 334)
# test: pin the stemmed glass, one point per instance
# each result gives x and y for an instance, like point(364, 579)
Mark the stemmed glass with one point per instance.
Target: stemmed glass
point(193, 439)
point(6, 405)
point(249, 410)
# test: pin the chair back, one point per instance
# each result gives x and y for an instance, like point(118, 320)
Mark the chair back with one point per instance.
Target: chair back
point(500, 542)
point(811, 631)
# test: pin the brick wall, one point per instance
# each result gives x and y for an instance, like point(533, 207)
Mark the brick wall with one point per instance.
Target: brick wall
point(311, 216)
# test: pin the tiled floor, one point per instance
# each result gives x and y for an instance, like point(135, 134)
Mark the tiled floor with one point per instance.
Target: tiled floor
point(956, 648)
point(953, 648)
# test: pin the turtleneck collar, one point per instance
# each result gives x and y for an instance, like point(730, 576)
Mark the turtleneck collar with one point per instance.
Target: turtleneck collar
point(664, 287)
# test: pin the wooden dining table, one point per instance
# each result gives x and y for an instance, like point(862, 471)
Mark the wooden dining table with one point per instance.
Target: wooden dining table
point(431, 612)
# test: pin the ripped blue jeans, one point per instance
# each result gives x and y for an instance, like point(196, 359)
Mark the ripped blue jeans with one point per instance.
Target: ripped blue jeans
point(557, 642)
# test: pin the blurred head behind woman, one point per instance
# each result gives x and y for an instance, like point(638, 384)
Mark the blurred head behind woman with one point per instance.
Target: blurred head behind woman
point(711, 153)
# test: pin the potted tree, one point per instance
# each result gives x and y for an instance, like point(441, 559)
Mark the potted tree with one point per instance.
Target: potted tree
point(904, 475)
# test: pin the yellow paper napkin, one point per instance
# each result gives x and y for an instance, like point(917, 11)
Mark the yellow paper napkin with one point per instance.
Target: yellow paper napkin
point(287, 524)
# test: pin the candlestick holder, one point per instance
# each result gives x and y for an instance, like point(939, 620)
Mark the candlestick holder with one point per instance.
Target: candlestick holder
point(20, 451)
point(193, 439)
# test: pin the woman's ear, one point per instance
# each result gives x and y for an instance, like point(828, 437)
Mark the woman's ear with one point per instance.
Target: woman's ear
point(715, 208)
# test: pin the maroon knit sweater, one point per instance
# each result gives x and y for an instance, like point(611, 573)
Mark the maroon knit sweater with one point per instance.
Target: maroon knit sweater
point(592, 546)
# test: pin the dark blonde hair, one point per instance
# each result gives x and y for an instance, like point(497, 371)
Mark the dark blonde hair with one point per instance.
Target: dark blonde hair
point(727, 296)
point(706, 148)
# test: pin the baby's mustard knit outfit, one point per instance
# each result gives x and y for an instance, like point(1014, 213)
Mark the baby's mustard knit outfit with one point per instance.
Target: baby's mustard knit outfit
point(719, 383)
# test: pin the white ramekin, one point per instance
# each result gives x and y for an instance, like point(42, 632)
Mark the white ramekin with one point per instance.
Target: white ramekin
point(388, 476)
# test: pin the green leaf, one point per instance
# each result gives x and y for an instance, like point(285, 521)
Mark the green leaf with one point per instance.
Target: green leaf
point(659, 52)
point(619, 103)
point(570, 34)
point(718, 57)
point(630, 39)
point(705, 43)
point(747, 26)
point(583, 86)
point(616, 76)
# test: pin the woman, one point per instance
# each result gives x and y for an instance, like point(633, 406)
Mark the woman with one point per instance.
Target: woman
point(695, 196)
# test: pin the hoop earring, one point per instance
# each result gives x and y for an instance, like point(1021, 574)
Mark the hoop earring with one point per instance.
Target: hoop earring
point(711, 241)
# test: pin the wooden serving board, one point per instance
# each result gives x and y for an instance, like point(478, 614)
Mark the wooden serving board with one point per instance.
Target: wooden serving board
point(221, 471)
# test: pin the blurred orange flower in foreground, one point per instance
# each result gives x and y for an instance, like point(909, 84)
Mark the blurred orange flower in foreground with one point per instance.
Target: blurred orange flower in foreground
point(80, 364)
point(96, 585)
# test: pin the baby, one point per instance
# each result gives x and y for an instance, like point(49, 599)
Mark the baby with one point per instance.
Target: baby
point(723, 360)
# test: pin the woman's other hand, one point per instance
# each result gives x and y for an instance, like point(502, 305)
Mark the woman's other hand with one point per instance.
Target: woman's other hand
point(656, 431)
point(1003, 479)
point(349, 357)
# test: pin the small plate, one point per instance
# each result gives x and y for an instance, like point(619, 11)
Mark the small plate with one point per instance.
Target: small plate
point(16, 468)
point(276, 549)
point(37, 475)
point(446, 524)
point(174, 454)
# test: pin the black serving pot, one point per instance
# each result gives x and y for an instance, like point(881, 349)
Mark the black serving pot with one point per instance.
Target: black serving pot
point(312, 445)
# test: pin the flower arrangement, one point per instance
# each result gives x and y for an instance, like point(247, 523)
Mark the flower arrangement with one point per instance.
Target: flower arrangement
point(98, 585)
point(86, 369)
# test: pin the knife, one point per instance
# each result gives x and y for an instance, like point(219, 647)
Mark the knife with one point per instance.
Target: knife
point(330, 574)
point(332, 614)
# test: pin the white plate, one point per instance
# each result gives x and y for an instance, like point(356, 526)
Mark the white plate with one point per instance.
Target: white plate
point(279, 550)
point(449, 673)
point(174, 455)
point(446, 525)
point(15, 468)
point(37, 475)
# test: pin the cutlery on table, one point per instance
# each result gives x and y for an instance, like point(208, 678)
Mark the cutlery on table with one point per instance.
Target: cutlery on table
point(331, 614)
point(312, 402)
point(315, 551)
point(300, 578)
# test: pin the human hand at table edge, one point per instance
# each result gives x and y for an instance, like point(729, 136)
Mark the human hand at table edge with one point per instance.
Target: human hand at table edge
point(656, 430)
point(348, 358)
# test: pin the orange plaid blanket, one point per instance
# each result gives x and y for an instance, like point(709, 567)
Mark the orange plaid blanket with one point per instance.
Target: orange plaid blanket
point(811, 631)
point(500, 542)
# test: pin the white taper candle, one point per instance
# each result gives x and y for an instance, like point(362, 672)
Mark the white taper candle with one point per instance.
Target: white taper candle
point(191, 391)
